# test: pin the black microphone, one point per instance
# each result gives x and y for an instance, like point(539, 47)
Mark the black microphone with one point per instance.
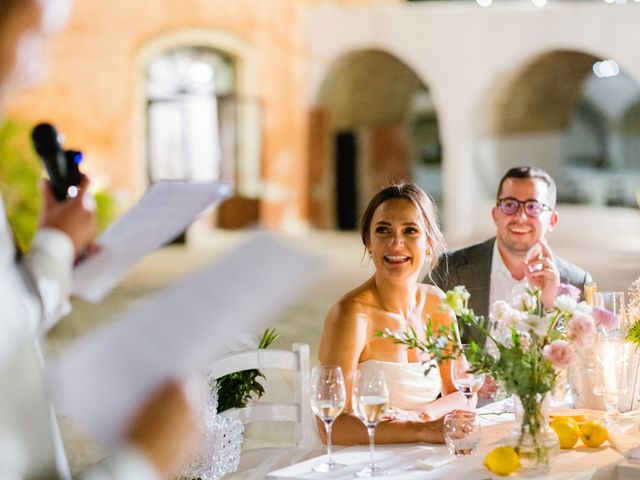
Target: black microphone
point(61, 165)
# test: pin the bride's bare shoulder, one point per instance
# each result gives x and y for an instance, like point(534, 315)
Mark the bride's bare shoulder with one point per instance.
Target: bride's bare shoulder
point(352, 304)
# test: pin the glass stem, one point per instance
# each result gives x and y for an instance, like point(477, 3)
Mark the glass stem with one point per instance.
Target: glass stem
point(327, 426)
point(371, 431)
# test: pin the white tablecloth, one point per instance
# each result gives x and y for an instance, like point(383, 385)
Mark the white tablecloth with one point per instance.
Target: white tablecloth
point(400, 460)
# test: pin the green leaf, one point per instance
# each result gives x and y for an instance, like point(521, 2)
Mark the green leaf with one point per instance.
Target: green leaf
point(237, 389)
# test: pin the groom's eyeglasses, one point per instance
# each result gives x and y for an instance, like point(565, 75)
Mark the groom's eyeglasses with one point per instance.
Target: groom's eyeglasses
point(532, 208)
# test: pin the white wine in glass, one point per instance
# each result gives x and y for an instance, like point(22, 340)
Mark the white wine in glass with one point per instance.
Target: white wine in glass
point(370, 399)
point(466, 382)
point(328, 398)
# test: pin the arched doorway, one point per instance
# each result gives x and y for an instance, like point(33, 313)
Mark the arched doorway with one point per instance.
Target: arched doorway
point(374, 123)
point(220, 72)
point(190, 110)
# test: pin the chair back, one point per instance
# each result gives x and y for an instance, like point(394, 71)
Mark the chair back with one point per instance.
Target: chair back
point(297, 411)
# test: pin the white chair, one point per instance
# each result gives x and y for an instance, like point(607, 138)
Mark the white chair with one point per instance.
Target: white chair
point(298, 411)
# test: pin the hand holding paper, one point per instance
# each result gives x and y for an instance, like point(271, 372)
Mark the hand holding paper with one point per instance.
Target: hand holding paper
point(165, 210)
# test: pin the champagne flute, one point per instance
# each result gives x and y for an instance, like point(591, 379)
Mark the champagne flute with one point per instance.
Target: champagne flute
point(328, 397)
point(466, 382)
point(370, 399)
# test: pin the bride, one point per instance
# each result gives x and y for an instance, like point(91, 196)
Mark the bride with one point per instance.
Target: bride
point(400, 233)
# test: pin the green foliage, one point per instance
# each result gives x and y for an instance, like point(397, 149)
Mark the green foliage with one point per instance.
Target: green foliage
point(20, 173)
point(634, 333)
point(237, 389)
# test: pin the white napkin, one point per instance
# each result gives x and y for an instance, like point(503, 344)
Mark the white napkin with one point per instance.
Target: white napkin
point(433, 462)
point(627, 442)
point(433, 459)
point(627, 445)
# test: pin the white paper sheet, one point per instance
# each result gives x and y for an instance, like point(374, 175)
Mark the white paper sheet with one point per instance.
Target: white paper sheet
point(102, 379)
point(165, 211)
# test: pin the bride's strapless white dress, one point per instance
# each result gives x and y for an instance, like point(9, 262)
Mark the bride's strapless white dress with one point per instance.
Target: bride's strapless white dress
point(409, 387)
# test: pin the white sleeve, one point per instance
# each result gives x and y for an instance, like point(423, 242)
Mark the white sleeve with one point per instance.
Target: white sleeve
point(127, 464)
point(48, 266)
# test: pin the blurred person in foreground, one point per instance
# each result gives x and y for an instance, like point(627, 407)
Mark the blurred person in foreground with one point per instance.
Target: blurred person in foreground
point(34, 290)
point(401, 235)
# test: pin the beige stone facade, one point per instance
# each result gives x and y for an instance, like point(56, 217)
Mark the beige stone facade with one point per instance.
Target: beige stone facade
point(504, 83)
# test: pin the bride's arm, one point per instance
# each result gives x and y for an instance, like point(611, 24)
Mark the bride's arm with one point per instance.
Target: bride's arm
point(344, 339)
point(451, 398)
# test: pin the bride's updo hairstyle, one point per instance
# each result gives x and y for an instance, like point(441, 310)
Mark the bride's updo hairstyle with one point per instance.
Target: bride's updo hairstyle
point(426, 205)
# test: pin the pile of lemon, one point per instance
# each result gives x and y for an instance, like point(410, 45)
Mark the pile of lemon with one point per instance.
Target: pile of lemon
point(569, 429)
point(504, 460)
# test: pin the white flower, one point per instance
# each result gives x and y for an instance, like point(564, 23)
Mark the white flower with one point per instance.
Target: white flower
point(583, 307)
point(498, 309)
point(512, 318)
point(524, 302)
point(536, 324)
point(566, 304)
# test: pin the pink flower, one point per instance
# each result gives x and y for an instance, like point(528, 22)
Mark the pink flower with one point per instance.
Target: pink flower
point(605, 318)
point(568, 289)
point(581, 329)
point(560, 353)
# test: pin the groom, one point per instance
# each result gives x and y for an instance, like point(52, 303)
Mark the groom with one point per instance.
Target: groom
point(518, 256)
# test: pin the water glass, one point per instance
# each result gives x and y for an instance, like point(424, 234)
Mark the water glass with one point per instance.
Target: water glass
point(613, 302)
point(462, 432)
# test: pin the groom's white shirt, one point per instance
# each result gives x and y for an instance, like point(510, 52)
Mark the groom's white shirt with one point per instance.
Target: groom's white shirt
point(503, 285)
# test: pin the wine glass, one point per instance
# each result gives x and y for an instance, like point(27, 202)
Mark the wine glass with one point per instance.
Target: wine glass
point(370, 399)
point(466, 382)
point(328, 397)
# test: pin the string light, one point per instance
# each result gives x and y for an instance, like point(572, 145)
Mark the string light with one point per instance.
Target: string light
point(606, 69)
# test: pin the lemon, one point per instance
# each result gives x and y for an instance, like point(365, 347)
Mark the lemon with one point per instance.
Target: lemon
point(502, 460)
point(568, 431)
point(569, 413)
point(593, 433)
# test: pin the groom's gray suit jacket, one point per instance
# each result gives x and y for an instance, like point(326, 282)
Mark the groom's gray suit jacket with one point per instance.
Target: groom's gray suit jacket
point(471, 267)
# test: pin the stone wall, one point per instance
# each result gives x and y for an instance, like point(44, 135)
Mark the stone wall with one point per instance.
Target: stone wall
point(94, 89)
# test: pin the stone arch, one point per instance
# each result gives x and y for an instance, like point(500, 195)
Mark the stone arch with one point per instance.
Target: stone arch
point(540, 96)
point(246, 65)
point(374, 113)
point(630, 122)
point(540, 113)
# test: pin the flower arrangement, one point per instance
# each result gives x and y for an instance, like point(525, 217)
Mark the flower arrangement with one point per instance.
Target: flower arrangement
point(522, 345)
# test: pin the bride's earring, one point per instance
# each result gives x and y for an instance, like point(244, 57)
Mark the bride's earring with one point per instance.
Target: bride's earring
point(370, 254)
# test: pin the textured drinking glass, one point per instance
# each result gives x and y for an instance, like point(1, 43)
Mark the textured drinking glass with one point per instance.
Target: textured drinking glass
point(466, 382)
point(328, 397)
point(370, 399)
point(462, 432)
point(614, 303)
point(611, 356)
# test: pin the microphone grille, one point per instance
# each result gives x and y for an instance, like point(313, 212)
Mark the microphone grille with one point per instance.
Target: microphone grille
point(45, 139)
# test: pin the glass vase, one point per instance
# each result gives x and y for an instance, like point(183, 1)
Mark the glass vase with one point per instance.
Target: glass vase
point(537, 444)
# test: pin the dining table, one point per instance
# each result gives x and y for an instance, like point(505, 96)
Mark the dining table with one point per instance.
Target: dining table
point(415, 461)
